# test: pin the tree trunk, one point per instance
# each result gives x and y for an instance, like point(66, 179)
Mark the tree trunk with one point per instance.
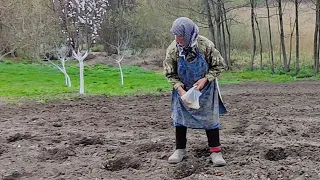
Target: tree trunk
point(270, 38)
point(224, 37)
point(291, 36)
point(283, 46)
point(297, 38)
point(121, 73)
point(216, 9)
point(220, 29)
point(316, 39)
point(260, 41)
point(229, 36)
point(81, 69)
point(254, 41)
point(209, 17)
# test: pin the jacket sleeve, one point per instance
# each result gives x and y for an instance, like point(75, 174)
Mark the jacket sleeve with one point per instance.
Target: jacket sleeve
point(170, 67)
point(215, 61)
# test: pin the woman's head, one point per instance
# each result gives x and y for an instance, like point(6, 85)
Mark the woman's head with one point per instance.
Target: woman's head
point(185, 31)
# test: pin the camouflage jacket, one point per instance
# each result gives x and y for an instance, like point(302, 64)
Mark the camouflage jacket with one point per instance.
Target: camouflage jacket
point(214, 59)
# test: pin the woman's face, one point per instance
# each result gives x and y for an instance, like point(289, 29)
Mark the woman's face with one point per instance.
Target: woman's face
point(180, 40)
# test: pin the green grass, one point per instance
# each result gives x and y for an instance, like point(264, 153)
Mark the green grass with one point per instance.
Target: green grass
point(230, 77)
point(243, 58)
point(44, 82)
point(254, 76)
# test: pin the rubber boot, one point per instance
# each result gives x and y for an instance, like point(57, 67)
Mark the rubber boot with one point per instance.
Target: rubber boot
point(217, 159)
point(177, 156)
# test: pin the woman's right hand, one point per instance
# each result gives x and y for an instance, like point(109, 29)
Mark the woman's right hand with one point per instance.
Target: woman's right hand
point(181, 91)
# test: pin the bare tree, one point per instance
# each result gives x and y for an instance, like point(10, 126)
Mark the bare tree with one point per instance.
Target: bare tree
point(220, 19)
point(260, 42)
point(229, 37)
point(6, 50)
point(283, 46)
point(27, 28)
point(316, 38)
point(120, 46)
point(223, 21)
point(217, 16)
point(120, 19)
point(290, 44)
point(297, 36)
point(80, 57)
point(254, 41)
point(209, 17)
point(61, 53)
point(270, 37)
point(11, 26)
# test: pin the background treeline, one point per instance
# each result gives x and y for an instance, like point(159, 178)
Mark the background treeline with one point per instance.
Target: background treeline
point(265, 34)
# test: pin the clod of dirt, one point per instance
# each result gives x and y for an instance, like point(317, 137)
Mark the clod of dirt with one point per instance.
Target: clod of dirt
point(276, 154)
point(18, 137)
point(122, 163)
point(239, 130)
point(2, 150)
point(184, 169)
point(13, 176)
point(151, 147)
point(59, 154)
point(201, 152)
point(56, 141)
point(57, 124)
point(88, 141)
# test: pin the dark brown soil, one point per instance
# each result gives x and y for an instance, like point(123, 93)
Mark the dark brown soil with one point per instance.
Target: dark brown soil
point(272, 131)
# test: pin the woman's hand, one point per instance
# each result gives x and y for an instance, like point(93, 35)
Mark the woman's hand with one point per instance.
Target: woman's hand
point(200, 83)
point(181, 91)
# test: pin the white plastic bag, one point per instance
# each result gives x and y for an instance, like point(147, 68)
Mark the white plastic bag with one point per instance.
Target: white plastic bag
point(191, 98)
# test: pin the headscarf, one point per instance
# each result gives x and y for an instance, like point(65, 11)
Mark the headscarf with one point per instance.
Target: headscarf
point(185, 27)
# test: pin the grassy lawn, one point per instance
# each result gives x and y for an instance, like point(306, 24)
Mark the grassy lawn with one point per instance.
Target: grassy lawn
point(43, 82)
point(230, 77)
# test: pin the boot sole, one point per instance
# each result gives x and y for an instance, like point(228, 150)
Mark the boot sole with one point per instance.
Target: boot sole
point(176, 162)
point(220, 165)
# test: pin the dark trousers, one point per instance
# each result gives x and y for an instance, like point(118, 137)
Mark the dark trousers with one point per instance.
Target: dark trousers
point(181, 137)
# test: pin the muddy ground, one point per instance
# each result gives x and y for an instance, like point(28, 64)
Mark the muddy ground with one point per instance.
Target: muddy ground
point(272, 131)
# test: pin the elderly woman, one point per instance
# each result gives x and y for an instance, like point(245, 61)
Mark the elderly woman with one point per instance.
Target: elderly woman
point(192, 60)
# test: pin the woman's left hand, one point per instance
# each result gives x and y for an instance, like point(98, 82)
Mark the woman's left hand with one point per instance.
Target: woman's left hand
point(200, 83)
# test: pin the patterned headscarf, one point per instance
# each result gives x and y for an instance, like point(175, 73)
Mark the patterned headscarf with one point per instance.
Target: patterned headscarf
point(185, 27)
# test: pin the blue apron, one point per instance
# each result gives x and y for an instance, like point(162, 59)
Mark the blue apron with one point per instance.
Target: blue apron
point(211, 105)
